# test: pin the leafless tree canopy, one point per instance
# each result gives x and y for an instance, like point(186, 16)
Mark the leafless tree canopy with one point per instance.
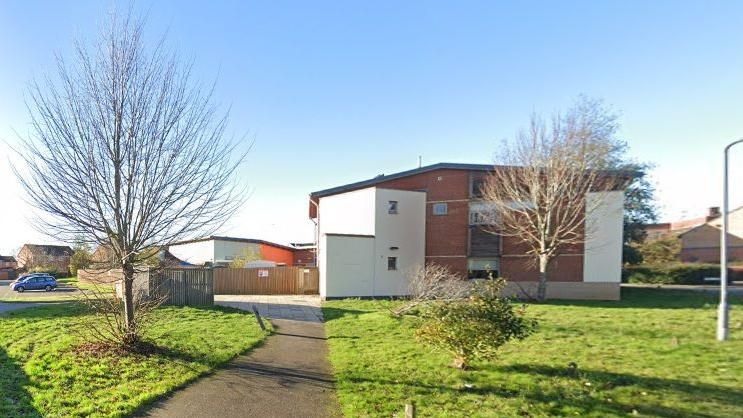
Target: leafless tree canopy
point(126, 151)
point(537, 191)
point(432, 282)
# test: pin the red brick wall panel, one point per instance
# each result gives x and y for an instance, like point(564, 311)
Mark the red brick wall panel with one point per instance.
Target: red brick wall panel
point(447, 235)
point(304, 257)
point(565, 268)
point(439, 184)
point(457, 265)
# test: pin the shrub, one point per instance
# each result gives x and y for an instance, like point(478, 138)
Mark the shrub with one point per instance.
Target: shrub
point(48, 270)
point(674, 273)
point(81, 259)
point(474, 328)
point(666, 250)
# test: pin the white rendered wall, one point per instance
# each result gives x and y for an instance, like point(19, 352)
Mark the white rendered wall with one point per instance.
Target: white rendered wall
point(199, 252)
point(405, 230)
point(348, 213)
point(346, 266)
point(602, 260)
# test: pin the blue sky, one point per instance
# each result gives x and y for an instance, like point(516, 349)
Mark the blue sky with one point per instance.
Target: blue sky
point(334, 92)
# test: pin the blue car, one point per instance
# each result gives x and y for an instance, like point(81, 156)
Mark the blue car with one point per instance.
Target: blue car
point(34, 282)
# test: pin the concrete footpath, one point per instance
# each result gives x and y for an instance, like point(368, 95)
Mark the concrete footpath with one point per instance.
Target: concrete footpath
point(288, 376)
point(7, 307)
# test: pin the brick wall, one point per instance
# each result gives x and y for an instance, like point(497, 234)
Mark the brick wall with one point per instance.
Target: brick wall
point(304, 257)
point(710, 254)
point(565, 268)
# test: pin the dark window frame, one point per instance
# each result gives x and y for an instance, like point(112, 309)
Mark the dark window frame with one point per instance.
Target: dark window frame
point(391, 263)
point(392, 207)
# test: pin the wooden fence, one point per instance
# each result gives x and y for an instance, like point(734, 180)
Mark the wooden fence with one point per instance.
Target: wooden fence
point(181, 287)
point(267, 281)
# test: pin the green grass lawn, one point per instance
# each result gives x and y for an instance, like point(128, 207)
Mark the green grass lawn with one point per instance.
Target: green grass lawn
point(652, 354)
point(41, 374)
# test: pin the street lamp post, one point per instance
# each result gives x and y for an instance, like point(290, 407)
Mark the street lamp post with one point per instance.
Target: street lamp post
point(723, 311)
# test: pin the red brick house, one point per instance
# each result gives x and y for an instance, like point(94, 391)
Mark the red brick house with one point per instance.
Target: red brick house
point(8, 262)
point(670, 229)
point(8, 266)
point(55, 257)
point(453, 234)
point(702, 242)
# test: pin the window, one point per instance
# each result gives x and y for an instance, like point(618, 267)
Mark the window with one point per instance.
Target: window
point(483, 268)
point(392, 207)
point(440, 208)
point(391, 263)
point(482, 214)
point(476, 187)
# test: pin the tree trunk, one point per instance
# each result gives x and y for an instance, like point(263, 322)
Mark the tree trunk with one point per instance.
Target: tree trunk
point(130, 327)
point(542, 286)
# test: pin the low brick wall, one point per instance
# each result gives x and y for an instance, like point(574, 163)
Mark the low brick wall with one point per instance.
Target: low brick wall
point(99, 276)
point(567, 290)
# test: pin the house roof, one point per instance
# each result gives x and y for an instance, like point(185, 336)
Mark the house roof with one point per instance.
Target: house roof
point(433, 167)
point(235, 239)
point(711, 223)
point(49, 250)
point(7, 258)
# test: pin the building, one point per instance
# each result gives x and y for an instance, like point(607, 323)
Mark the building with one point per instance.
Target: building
point(669, 229)
point(8, 262)
point(305, 254)
point(53, 257)
point(702, 242)
point(372, 232)
point(8, 266)
point(223, 251)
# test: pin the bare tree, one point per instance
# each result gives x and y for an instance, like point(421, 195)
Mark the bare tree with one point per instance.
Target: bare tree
point(432, 282)
point(127, 152)
point(548, 182)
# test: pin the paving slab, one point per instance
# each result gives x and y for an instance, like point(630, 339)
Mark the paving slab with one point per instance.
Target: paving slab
point(295, 307)
point(288, 376)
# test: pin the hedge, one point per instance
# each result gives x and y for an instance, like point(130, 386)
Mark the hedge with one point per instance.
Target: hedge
point(676, 273)
point(48, 270)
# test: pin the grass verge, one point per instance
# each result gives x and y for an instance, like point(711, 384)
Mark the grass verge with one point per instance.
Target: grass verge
point(42, 375)
point(652, 354)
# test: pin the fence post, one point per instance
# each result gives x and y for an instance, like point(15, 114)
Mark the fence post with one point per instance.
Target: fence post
point(410, 410)
point(258, 318)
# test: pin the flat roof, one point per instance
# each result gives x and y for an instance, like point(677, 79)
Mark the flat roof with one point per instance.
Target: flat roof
point(382, 178)
point(439, 166)
point(235, 239)
point(333, 234)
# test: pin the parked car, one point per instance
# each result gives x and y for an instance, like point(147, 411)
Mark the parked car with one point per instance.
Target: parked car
point(34, 282)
